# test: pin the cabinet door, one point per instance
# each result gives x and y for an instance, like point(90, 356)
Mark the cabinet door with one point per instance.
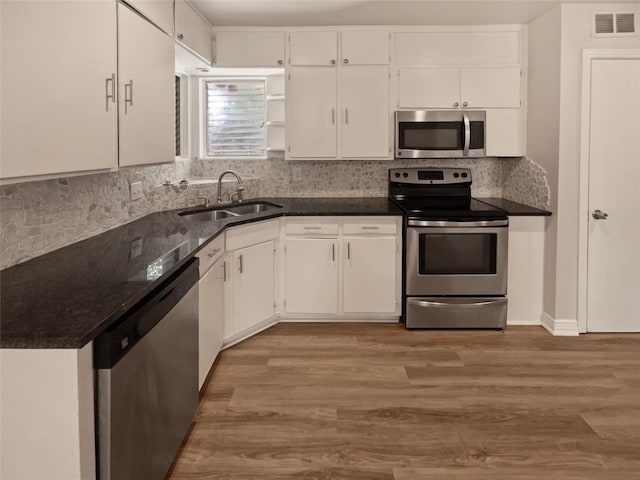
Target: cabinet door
point(365, 47)
point(193, 31)
point(253, 285)
point(159, 12)
point(311, 112)
point(313, 48)
point(312, 275)
point(365, 112)
point(369, 275)
point(211, 323)
point(505, 132)
point(250, 49)
point(58, 66)
point(490, 87)
point(146, 91)
point(429, 88)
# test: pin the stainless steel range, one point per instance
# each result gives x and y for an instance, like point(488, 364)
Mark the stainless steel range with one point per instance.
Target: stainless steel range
point(455, 256)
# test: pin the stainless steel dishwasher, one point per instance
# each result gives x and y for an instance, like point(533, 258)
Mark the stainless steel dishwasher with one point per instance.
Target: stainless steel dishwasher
point(147, 369)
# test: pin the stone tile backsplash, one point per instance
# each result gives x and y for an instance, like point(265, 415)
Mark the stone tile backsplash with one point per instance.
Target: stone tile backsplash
point(38, 217)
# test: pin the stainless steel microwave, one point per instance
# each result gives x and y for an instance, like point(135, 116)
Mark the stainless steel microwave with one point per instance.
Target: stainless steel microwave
point(440, 134)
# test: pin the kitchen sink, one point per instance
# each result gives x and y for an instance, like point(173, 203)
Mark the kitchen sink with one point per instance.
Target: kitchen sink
point(229, 211)
point(257, 207)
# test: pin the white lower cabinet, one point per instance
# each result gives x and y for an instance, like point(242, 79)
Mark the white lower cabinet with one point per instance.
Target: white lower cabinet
point(312, 275)
point(252, 278)
point(370, 275)
point(211, 306)
point(342, 267)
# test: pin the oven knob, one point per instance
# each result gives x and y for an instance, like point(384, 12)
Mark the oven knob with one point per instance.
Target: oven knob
point(405, 174)
point(397, 175)
point(464, 175)
point(456, 175)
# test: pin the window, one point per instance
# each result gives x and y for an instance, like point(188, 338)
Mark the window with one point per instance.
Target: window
point(235, 118)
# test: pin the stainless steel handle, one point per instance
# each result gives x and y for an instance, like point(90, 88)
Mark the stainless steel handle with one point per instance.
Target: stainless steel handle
point(443, 223)
point(240, 263)
point(110, 96)
point(599, 215)
point(346, 116)
point(333, 252)
point(467, 134)
point(128, 95)
point(346, 60)
point(430, 303)
point(348, 250)
point(364, 227)
point(333, 116)
point(312, 228)
point(456, 104)
point(214, 253)
point(180, 36)
point(333, 62)
point(465, 104)
point(224, 271)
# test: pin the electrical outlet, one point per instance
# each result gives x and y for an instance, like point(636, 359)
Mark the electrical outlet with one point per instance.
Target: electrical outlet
point(297, 174)
point(135, 248)
point(136, 191)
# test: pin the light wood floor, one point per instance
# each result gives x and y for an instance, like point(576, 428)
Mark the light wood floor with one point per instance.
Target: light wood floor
point(351, 401)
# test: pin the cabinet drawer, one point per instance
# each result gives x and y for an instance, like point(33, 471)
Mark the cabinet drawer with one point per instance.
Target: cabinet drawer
point(210, 254)
point(374, 228)
point(312, 228)
point(252, 234)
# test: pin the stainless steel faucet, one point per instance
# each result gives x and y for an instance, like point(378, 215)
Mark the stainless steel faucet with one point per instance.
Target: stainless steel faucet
point(239, 189)
point(205, 201)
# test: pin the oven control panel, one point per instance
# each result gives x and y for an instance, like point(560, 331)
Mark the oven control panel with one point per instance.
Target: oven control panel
point(430, 176)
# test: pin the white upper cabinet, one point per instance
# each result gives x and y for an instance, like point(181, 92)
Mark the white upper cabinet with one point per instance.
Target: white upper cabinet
point(505, 134)
point(457, 48)
point(490, 87)
point(313, 48)
point(365, 47)
point(249, 49)
point(429, 87)
point(474, 87)
point(146, 91)
point(365, 119)
point(159, 12)
point(312, 112)
point(58, 87)
point(193, 31)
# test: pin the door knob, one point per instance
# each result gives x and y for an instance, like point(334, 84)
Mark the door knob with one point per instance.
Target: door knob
point(599, 215)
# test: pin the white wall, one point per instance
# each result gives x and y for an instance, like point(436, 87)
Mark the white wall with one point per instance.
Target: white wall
point(556, 40)
point(543, 125)
point(576, 36)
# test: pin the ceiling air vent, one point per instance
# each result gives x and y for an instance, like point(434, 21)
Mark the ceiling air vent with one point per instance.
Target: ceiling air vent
point(613, 24)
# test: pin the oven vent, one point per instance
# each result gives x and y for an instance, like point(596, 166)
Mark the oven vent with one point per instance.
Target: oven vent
point(613, 24)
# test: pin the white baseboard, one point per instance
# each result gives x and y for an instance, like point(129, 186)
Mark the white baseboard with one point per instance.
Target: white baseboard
point(521, 322)
point(341, 319)
point(560, 327)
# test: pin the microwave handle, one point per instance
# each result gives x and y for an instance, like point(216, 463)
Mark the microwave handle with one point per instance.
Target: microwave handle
point(467, 133)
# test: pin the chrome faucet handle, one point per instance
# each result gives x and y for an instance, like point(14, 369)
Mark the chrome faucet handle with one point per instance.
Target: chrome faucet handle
point(237, 193)
point(205, 201)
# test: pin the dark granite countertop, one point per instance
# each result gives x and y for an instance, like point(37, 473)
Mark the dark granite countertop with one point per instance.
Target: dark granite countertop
point(515, 209)
point(65, 298)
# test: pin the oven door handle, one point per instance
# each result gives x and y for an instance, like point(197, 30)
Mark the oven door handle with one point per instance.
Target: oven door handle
point(430, 303)
point(467, 133)
point(444, 223)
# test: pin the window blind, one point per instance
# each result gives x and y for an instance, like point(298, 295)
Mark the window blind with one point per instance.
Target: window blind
point(236, 118)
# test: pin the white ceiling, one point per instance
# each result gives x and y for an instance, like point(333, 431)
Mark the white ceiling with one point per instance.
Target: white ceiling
point(374, 12)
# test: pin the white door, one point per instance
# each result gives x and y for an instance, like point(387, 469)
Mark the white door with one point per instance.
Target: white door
point(365, 112)
point(193, 31)
point(253, 285)
point(369, 275)
point(250, 49)
point(312, 275)
point(486, 87)
point(58, 69)
point(160, 12)
point(211, 318)
point(311, 112)
point(365, 47)
point(146, 90)
point(613, 284)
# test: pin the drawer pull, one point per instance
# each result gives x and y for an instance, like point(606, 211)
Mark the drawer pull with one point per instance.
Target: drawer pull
point(370, 228)
point(312, 228)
